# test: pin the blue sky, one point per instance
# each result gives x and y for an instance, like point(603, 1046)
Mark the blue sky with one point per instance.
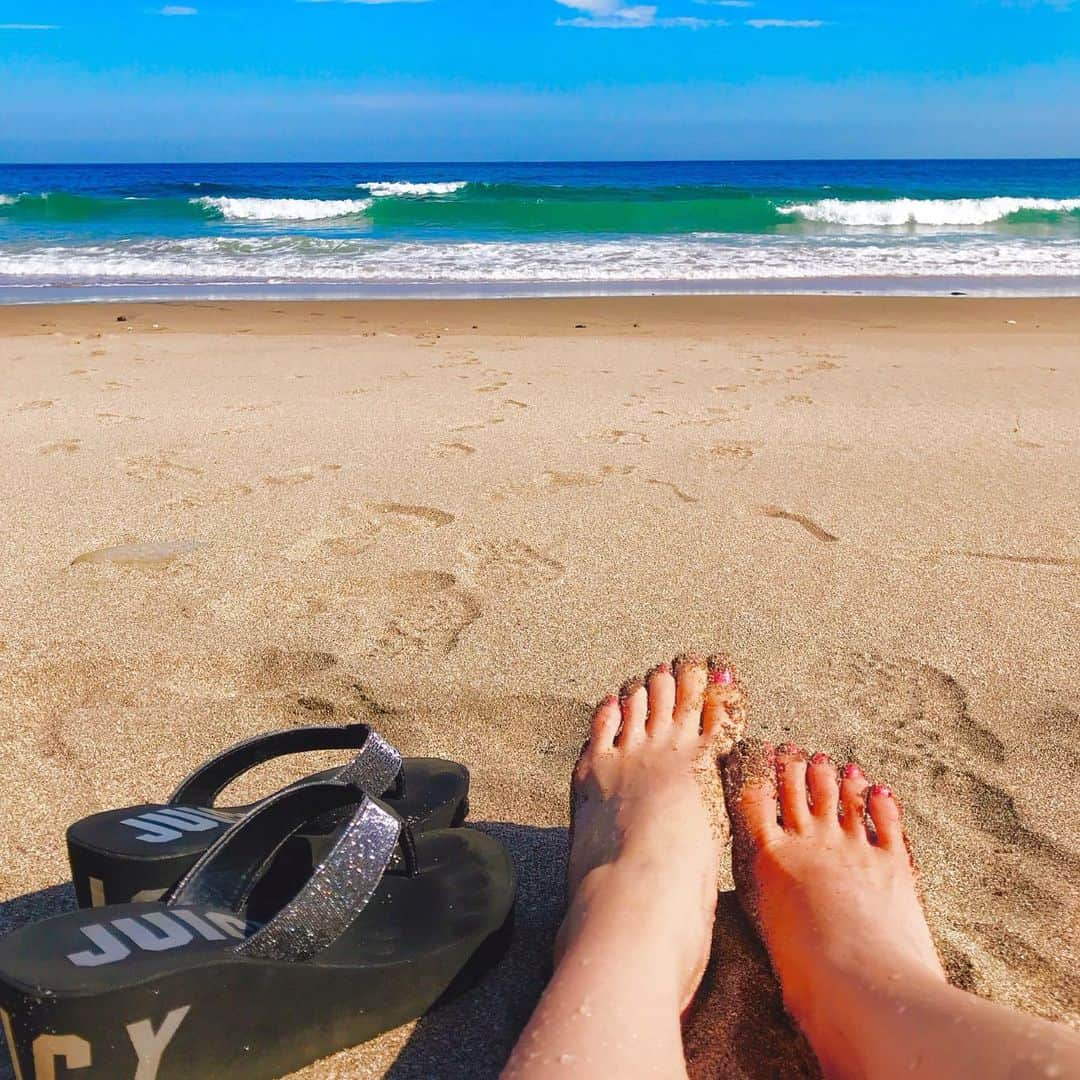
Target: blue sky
point(536, 79)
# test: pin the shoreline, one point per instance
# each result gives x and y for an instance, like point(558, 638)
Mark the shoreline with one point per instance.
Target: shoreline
point(1002, 287)
point(693, 316)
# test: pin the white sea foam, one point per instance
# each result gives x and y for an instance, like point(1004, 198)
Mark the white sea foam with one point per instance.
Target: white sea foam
point(382, 189)
point(8, 200)
point(894, 212)
point(283, 209)
point(351, 260)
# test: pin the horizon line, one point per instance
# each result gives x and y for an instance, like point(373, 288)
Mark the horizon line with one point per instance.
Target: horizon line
point(524, 161)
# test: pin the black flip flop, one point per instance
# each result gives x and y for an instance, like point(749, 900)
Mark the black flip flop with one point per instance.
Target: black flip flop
point(140, 852)
point(226, 979)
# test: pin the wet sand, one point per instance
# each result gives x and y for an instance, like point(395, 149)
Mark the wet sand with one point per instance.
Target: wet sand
point(466, 521)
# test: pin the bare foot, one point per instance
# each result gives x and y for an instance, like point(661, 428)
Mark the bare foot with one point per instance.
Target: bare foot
point(822, 867)
point(648, 808)
point(648, 830)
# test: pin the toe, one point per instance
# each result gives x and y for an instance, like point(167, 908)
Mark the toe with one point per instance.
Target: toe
point(853, 787)
point(884, 812)
point(791, 784)
point(605, 724)
point(691, 678)
point(661, 687)
point(723, 717)
point(749, 775)
point(634, 707)
point(823, 785)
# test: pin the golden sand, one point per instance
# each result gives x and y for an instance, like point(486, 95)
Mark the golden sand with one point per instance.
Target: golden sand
point(466, 521)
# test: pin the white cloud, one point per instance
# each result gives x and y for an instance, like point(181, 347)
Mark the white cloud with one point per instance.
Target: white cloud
point(690, 21)
point(619, 15)
point(1057, 5)
point(178, 9)
point(795, 24)
point(609, 14)
point(27, 26)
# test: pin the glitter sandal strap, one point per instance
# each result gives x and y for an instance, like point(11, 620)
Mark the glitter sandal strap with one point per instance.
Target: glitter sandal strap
point(376, 767)
point(260, 965)
point(339, 887)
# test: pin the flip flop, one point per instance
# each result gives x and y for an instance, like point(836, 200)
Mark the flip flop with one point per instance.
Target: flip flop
point(230, 978)
point(140, 852)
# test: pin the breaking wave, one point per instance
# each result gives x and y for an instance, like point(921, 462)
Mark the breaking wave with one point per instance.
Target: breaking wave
point(895, 212)
point(382, 189)
point(232, 209)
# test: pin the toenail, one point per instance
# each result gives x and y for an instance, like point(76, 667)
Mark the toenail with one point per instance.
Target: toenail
point(610, 700)
point(787, 749)
point(722, 677)
point(820, 758)
point(881, 791)
point(661, 669)
point(852, 771)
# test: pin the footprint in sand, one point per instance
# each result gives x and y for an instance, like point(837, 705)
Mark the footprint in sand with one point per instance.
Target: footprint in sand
point(213, 497)
point(736, 451)
point(552, 481)
point(356, 528)
point(478, 425)
point(792, 372)
point(159, 466)
point(620, 437)
point(811, 526)
point(290, 479)
point(491, 387)
point(726, 414)
point(1022, 560)
point(110, 418)
point(63, 446)
point(419, 612)
point(274, 668)
point(679, 494)
point(460, 359)
point(426, 514)
point(453, 449)
point(139, 555)
point(923, 707)
point(299, 476)
point(509, 566)
point(914, 722)
point(41, 403)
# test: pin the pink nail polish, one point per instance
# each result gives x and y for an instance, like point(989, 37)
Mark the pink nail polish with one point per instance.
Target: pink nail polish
point(852, 771)
point(722, 677)
point(881, 791)
point(611, 699)
point(820, 758)
point(662, 669)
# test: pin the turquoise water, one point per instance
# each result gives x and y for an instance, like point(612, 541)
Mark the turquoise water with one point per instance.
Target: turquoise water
point(342, 229)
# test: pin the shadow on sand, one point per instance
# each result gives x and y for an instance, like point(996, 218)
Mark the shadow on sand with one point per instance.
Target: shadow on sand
point(736, 1027)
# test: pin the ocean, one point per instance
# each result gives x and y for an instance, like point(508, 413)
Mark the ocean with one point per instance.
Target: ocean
point(74, 232)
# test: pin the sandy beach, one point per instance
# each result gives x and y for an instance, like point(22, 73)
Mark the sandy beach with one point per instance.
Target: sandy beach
point(466, 521)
